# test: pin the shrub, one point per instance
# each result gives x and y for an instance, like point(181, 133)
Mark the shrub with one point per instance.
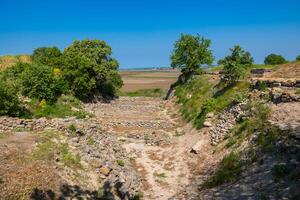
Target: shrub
point(274, 59)
point(9, 102)
point(50, 56)
point(39, 81)
point(298, 58)
point(236, 64)
point(90, 70)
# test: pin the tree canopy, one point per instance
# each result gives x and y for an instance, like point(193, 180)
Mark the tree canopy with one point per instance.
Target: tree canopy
point(50, 56)
point(235, 65)
point(191, 53)
point(298, 58)
point(89, 69)
point(274, 59)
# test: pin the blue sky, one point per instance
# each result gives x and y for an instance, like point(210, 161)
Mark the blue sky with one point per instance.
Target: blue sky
point(142, 33)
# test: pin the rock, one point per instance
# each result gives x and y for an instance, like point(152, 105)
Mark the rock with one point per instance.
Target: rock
point(210, 115)
point(196, 148)
point(207, 124)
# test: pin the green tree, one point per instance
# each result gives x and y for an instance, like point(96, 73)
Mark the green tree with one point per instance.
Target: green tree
point(9, 102)
point(274, 59)
point(236, 64)
point(50, 56)
point(41, 82)
point(190, 53)
point(90, 70)
point(298, 58)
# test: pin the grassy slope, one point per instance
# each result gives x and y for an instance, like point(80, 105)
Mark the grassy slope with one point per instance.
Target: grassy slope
point(201, 96)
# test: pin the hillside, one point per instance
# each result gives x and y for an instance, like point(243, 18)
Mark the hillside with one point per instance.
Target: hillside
point(7, 61)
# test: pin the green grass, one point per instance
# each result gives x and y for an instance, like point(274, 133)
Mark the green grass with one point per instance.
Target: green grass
point(72, 128)
point(297, 91)
point(121, 163)
point(68, 158)
point(199, 97)
point(66, 106)
point(230, 170)
point(157, 92)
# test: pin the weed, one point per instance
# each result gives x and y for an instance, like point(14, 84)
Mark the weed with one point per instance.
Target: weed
point(72, 128)
point(90, 141)
point(121, 163)
point(159, 175)
point(68, 158)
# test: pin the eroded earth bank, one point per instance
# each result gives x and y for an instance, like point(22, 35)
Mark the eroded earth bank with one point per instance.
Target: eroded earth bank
point(140, 148)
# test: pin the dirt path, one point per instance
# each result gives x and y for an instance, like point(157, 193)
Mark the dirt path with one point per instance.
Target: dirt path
point(158, 145)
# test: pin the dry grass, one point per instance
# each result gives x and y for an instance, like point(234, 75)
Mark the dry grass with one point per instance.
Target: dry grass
point(7, 61)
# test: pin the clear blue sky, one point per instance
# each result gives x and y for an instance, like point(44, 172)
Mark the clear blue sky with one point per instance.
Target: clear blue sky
point(142, 32)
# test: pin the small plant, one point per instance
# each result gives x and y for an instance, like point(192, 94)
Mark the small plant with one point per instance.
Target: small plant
point(121, 163)
point(72, 128)
point(90, 141)
point(279, 171)
point(159, 175)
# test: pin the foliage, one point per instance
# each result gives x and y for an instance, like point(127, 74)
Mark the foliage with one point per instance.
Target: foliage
point(63, 107)
point(89, 69)
point(236, 64)
point(157, 92)
point(50, 56)
point(229, 170)
point(274, 59)
point(39, 81)
point(72, 128)
point(298, 58)
point(121, 163)
point(190, 53)
point(9, 102)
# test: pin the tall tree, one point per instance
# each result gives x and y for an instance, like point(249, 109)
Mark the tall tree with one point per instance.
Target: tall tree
point(190, 54)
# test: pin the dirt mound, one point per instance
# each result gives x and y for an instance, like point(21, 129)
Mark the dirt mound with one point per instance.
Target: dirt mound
point(288, 70)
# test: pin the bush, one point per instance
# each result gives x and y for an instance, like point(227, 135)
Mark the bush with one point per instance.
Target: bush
point(90, 70)
point(274, 59)
point(40, 82)
point(9, 102)
point(50, 56)
point(298, 58)
point(236, 64)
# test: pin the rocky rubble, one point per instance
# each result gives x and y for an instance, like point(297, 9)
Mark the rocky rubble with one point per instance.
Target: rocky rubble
point(277, 82)
point(225, 122)
point(99, 149)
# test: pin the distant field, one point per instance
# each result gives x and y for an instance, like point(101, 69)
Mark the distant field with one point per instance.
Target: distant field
point(137, 80)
